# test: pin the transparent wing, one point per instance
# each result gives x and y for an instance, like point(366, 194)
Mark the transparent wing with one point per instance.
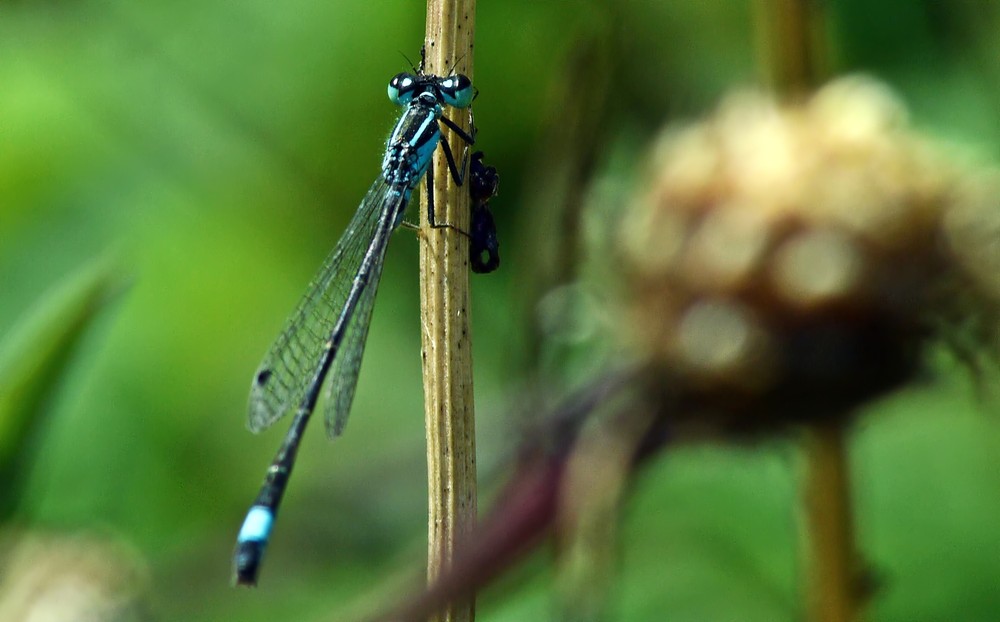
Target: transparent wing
point(289, 368)
point(347, 364)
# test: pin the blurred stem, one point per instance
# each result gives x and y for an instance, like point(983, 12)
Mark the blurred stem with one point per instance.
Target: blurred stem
point(598, 471)
point(445, 311)
point(571, 143)
point(790, 38)
point(790, 42)
point(834, 594)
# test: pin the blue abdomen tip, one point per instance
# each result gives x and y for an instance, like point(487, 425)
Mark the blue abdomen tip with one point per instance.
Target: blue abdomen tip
point(257, 525)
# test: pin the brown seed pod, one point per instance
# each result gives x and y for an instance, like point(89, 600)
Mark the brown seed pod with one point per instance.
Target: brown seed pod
point(788, 261)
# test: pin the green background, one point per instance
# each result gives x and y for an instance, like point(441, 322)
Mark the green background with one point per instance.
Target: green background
point(207, 155)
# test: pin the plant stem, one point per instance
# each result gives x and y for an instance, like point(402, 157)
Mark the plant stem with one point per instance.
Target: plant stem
point(790, 42)
point(790, 39)
point(833, 561)
point(446, 332)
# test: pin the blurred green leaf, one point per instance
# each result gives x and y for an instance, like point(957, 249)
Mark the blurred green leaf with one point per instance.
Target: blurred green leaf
point(36, 354)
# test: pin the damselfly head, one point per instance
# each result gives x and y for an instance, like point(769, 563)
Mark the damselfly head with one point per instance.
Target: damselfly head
point(455, 90)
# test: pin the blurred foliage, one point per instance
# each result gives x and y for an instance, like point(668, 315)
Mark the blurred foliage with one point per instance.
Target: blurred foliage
point(220, 148)
point(34, 356)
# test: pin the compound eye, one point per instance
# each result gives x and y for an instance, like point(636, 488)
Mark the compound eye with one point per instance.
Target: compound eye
point(456, 91)
point(401, 88)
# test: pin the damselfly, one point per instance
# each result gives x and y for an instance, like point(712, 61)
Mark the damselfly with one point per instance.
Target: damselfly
point(484, 249)
point(326, 334)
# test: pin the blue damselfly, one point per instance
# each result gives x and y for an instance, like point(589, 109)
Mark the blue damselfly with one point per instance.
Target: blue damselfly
point(324, 339)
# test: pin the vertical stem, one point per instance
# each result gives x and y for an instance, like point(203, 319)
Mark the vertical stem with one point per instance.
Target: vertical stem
point(446, 334)
point(790, 40)
point(597, 474)
point(832, 558)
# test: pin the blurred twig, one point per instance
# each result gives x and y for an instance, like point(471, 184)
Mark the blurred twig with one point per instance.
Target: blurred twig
point(598, 473)
point(527, 506)
point(572, 141)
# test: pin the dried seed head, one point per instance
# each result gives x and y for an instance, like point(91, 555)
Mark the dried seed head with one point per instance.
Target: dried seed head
point(797, 249)
point(816, 267)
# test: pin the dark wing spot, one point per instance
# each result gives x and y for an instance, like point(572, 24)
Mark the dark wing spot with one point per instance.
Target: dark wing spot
point(263, 376)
